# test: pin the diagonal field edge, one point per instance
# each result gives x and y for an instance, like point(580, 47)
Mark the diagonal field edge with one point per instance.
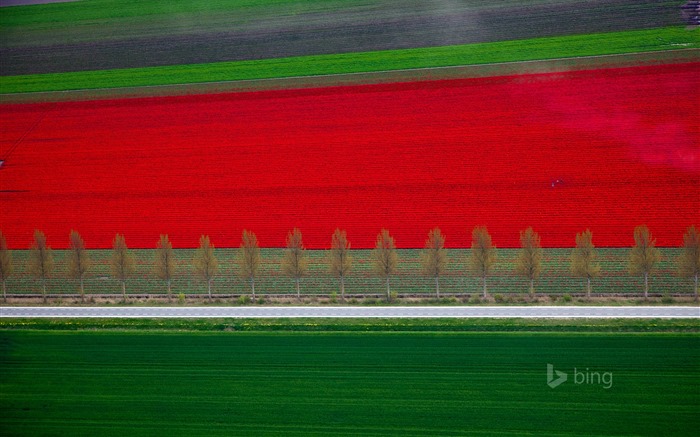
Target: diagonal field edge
point(524, 67)
point(552, 312)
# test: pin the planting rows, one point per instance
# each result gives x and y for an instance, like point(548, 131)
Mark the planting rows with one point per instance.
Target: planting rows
point(458, 279)
point(124, 34)
point(346, 384)
point(606, 150)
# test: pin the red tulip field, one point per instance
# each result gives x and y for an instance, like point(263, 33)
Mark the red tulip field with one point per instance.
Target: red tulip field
point(561, 152)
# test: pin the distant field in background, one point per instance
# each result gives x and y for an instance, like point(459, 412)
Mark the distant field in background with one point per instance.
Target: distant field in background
point(556, 277)
point(107, 34)
point(571, 47)
point(383, 384)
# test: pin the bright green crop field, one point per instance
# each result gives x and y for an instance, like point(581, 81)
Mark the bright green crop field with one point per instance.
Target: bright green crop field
point(321, 383)
point(660, 39)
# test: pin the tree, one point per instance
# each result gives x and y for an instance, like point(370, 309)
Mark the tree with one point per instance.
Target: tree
point(165, 261)
point(644, 255)
point(340, 260)
point(205, 263)
point(40, 260)
point(434, 257)
point(386, 259)
point(295, 262)
point(583, 259)
point(250, 259)
point(6, 268)
point(122, 262)
point(689, 261)
point(78, 260)
point(483, 255)
point(529, 262)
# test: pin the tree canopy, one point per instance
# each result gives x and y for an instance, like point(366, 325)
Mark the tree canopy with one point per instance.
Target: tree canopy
point(529, 263)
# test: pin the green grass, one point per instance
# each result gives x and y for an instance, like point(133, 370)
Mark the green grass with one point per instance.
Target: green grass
point(380, 384)
point(667, 38)
point(356, 325)
point(555, 277)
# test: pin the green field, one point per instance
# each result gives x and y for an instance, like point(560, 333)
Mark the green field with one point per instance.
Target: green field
point(380, 384)
point(115, 19)
point(113, 34)
point(555, 278)
point(661, 39)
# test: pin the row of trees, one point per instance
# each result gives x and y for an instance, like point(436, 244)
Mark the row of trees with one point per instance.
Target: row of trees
point(644, 258)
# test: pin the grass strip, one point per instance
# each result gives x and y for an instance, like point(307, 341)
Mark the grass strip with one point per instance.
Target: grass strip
point(356, 325)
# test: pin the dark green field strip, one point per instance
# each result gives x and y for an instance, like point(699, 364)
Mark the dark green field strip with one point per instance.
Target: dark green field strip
point(345, 384)
point(659, 39)
point(311, 325)
point(555, 278)
point(108, 34)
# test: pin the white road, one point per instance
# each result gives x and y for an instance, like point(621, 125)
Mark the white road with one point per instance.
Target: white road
point(661, 312)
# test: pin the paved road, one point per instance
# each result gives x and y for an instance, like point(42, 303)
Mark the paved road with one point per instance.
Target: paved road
point(382, 312)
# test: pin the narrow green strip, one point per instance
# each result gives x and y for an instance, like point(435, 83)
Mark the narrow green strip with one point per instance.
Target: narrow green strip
point(358, 325)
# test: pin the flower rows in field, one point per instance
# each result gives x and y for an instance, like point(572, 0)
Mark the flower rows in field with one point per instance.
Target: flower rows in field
point(604, 149)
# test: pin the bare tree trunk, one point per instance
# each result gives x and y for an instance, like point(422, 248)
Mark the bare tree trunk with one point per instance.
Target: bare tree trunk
point(484, 278)
point(170, 296)
point(296, 281)
point(252, 286)
point(388, 294)
point(532, 286)
point(437, 286)
point(646, 285)
point(4, 289)
point(124, 290)
point(696, 287)
point(209, 288)
point(588, 288)
point(43, 288)
point(342, 287)
point(82, 290)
